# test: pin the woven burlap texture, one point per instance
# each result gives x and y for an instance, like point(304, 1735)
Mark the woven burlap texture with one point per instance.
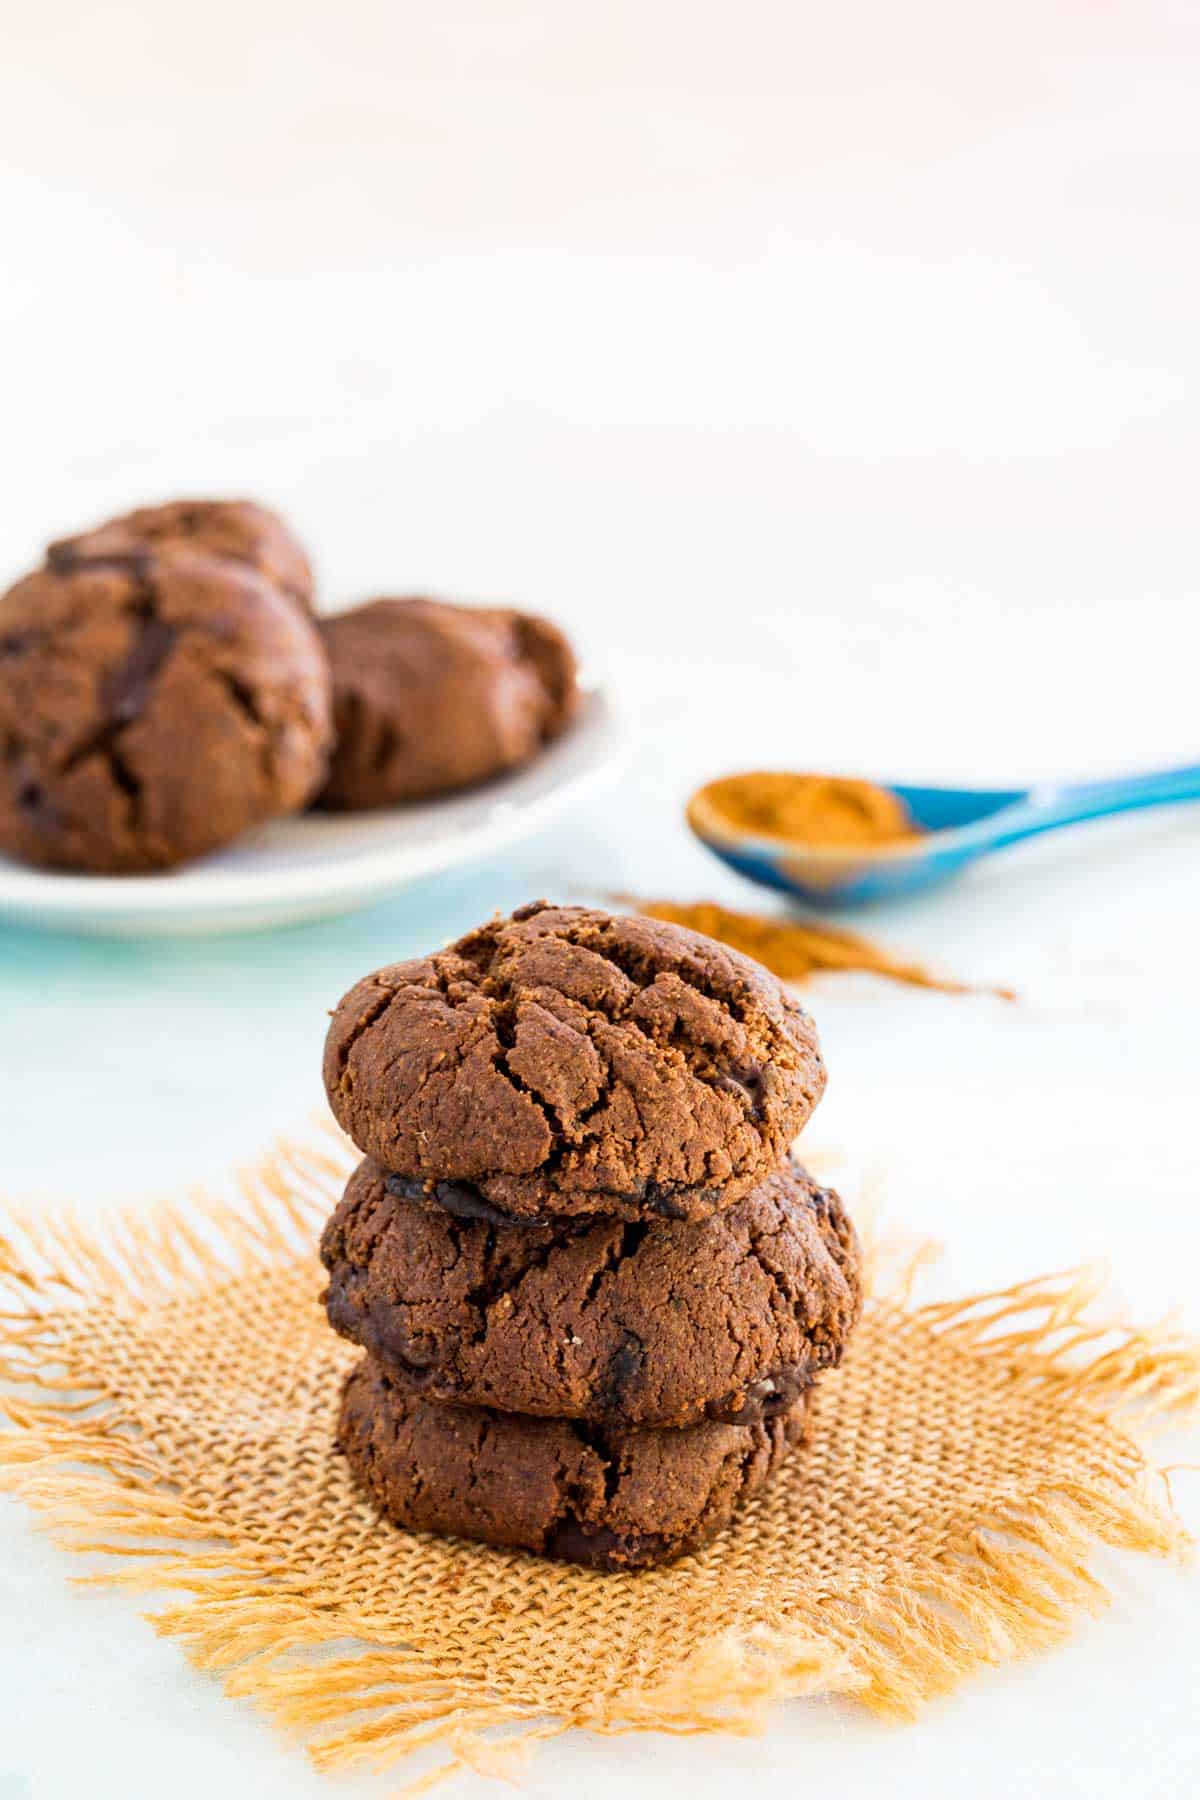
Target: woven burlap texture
point(172, 1389)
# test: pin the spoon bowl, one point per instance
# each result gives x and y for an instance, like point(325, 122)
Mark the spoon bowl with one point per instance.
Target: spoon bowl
point(955, 827)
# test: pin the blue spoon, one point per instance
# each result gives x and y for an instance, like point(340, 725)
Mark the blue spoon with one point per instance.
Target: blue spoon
point(957, 825)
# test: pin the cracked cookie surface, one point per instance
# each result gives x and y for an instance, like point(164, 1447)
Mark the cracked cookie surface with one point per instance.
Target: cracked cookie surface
point(568, 1061)
point(429, 697)
point(654, 1323)
point(611, 1499)
point(239, 530)
point(152, 710)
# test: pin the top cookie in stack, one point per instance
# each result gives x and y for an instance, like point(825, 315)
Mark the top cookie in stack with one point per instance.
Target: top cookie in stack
point(593, 1287)
point(566, 1061)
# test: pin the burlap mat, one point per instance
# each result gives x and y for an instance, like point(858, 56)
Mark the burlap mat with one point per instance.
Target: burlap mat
point(174, 1392)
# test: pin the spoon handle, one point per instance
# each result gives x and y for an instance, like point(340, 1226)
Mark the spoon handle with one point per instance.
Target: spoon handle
point(1046, 808)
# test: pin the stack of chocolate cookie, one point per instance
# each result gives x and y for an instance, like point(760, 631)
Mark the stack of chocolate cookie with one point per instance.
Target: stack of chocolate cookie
point(593, 1288)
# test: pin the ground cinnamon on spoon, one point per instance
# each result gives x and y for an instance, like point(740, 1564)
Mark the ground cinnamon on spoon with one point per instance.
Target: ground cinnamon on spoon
point(794, 949)
point(833, 811)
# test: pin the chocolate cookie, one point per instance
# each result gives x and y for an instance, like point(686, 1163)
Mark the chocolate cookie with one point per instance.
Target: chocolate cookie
point(430, 697)
point(567, 1061)
point(151, 711)
point(656, 1323)
point(610, 1499)
point(239, 530)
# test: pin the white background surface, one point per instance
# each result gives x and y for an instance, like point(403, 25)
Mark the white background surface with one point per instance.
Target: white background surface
point(832, 373)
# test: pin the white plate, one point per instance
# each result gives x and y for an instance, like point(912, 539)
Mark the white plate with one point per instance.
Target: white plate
point(323, 863)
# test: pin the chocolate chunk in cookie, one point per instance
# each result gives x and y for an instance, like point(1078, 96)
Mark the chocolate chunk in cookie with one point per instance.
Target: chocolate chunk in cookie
point(652, 1323)
point(152, 710)
point(566, 1061)
point(238, 530)
point(612, 1499)
point(430, 697)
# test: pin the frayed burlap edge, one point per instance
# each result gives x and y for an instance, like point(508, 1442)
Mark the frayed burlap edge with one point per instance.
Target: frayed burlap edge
point(1008, 1586)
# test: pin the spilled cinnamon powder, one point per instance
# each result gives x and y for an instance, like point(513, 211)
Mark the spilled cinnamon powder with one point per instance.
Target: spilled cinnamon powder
point(794, 949)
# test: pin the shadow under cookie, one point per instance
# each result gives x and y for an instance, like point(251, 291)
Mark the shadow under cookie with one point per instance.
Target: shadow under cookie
point(659, 1323)
point(609, 1499)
